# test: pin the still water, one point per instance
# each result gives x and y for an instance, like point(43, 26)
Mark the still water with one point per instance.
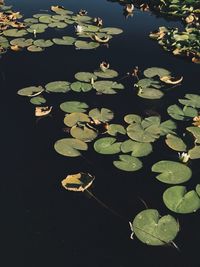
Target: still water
point(49, 226)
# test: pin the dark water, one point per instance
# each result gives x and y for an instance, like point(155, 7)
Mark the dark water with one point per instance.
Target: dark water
point(48, 226)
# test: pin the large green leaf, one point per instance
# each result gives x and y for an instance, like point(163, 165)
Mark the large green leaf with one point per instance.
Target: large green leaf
point(101, 115)
point(74, 118)
point(191, 100)
point(172, 172)
point(114, 129)
point(83, 133)
point(128, 163)
point(107, 87)
point(175, 142)
point(196, 133)
point(154, 230)
point(194, 153)
point(138, 149)
point(73, 106)
point(177, 199)
point(181, 114)
point(107, 145)
point(58, 87)
point(154, 71)
point(85, 76)
point(70, 147)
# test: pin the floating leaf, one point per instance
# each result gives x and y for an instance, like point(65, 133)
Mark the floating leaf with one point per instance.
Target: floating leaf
point(58, 87)
point(107, 74)
point(38, 28)
point(81, 87)
point(66, 40)
point(196, 132)
point(38, 100)
point(107, 87)
point(132, 118)
point(154, 71)
point(59, 25)
point(176, 143)
point(14, 33)
point(86, 45)
point(138, 149)
point(74, 118)
point(191, 100)
point(34, 48)
point(73, 106)
point(70, 147)
point(181, 114)
point(172, 172)
point(114, 129)
point(43, 43)
point(167, 127)
point(85, 76)
point(154, 230)
point(21, 42)
point(178, 200)
point(107, 145)
point(111, 31)
point(30, 91)
point(101, 115)
point(194, 153)
point(84, 133)
point(128, 163)
point(150, 93)
point(78, 182)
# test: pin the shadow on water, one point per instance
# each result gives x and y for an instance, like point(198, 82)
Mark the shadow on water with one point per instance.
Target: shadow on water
point(49, 226)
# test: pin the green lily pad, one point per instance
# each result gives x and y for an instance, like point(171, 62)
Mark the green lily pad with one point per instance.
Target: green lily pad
point(45, 19)
point(15, 33)
point(107, 145)
point(176, 143)
point(114, 129)
point(78, 182)
point(154, 230)
point(178, 200)
point(128, 163)
point(59, 25)
point(150, 93)
point(38, 28)
point(167, 127)
point(154, 71)
point(34, 48)
point(38, 100)
point(31, 20)
point(102, 115)
point(86, 45)
point(111, 31)
point(21, 42)
point(4, 42)
point(85, 76)
point(172, 172)
point(70, 147)
point(83, 133)
point(37, 16)
point(81, 87)
point(43, 43)
point(58, 87)
point(194, 153)
point(198, 189)
point(107, 87)
point(66, 40)
point(74, 118)
point(132, 118)
point(30, 91)
point(73, 106)
point(181, 114)
point(107, 74)
point(196, 133)
point(138, 149)
point(191, 100)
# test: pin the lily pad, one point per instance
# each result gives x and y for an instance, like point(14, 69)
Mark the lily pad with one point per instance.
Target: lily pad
point(83, 133)
point(172, 172)
point(15, 33)
point(181, 114)
point(73, 106)
point(75, 118)
point(59, 25)
point(114, 129)
point(107, 87)
point(38, 100)
point(34, 48)
point(107, 74)
point(167, 127)
point(81, 87)
point(107, 145)
point(194, 153)
point(70, 147)
point(196, 133)
point(154, 230)
point(43, 43)
point(154, 71)
point(150, 93)
point(128, 163)
point(85, 76)
point(31, 91)
point(138, 149)
point(111, 31)
point(132, 118)
point(66, 40)
point(86, 45)
point(78, 182)
point(191, 100)
point(58, 87)
point(38, 28)
point(178, 200)
point(21, 42)
point(101, 115)
point(175, 142)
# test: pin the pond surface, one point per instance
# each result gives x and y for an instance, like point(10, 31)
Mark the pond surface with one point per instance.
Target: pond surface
point(53, 227)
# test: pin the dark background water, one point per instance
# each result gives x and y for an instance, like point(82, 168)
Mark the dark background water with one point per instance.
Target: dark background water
point(48, 226)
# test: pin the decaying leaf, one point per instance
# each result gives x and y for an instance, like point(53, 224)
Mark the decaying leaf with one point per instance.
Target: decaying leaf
point(42, 111)
point(171, 80)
